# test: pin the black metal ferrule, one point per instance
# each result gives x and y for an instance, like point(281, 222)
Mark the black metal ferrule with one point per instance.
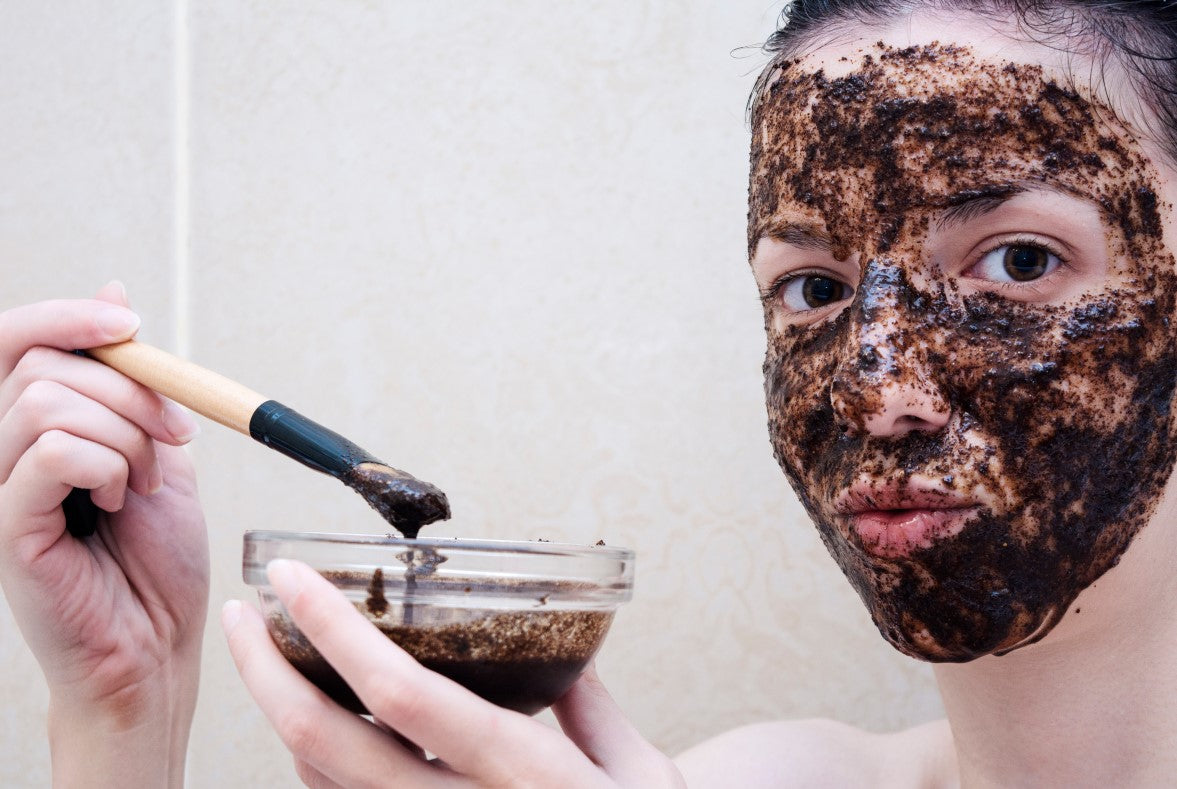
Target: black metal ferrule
point(284, 429)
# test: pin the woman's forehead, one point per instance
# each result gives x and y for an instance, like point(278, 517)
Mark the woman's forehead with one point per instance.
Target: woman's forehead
point(1076, 58)
point(912, 92)
point(862, 132)
point(842, 51)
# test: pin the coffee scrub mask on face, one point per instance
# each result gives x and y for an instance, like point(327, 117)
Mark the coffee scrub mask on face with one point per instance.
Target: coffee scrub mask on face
point(1057, 435)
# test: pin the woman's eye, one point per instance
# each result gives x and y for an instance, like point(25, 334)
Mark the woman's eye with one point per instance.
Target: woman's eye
point(1016, 263)
point(812, 291)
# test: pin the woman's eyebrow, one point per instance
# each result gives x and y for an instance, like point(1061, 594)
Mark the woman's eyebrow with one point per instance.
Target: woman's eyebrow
point(967, 206)
point(805, 236)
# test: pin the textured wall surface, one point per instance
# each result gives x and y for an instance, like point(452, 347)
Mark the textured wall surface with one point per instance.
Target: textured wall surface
point(500, 245)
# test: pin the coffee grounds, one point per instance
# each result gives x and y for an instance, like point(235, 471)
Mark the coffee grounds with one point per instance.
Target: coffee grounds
point(521, 660)
point(406, 502)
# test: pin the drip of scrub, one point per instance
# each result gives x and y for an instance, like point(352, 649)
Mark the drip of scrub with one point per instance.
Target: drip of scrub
point(406, 502)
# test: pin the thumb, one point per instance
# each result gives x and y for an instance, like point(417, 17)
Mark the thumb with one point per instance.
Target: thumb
point(113, 292)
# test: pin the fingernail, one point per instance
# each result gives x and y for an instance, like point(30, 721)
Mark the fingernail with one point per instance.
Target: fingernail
point(230, 615)
point(122, 289)
point(155, 478)
point(282, 578)
point(118, 322)
point(179, 422)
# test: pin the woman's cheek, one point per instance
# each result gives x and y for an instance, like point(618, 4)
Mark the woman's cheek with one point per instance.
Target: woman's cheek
point(798, 369)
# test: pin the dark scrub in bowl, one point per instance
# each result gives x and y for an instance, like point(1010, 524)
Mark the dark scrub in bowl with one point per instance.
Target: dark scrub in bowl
point(516, 623)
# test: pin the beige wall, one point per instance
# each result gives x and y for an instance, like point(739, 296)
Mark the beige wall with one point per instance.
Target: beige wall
point(499, 244)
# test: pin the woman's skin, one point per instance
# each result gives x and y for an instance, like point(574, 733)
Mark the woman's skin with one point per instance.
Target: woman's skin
point(115, 620)
point(1087, 704)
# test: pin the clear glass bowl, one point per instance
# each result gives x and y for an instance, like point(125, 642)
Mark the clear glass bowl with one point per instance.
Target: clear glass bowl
point(515, 622)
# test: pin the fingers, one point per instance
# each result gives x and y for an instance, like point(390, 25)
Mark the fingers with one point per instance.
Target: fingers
point(157, 416)
point(46, 389)
point(64, 324)
point(343, 748)
point(473, 737)
point(592, 720)
point(36, 343)
point(30, 501)
point(58, 461)
point(48, 406)
point(312, 777)
point(115, 293)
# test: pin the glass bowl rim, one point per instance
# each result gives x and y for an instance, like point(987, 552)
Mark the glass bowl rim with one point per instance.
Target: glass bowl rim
point(506, 547)
point(500, 570)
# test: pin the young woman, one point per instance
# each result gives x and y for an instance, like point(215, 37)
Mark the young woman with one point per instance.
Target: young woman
point(961, 226)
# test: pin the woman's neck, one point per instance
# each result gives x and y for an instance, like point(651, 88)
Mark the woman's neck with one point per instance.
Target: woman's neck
point(1093, 704)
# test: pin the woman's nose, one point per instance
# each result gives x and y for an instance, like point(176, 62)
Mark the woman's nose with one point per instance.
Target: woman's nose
point(884, 385)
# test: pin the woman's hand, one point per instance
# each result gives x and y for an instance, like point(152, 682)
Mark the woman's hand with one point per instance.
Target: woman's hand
point(115, 619)
point(477, 743)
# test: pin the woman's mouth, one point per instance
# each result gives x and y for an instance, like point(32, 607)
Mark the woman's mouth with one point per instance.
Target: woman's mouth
point(894, 534)
point(893, 521)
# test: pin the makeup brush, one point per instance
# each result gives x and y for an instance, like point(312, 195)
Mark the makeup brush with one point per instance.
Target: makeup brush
point(403, 500)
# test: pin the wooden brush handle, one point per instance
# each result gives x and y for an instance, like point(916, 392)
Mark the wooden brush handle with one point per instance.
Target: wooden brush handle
point(205, 392)
point(404, 501)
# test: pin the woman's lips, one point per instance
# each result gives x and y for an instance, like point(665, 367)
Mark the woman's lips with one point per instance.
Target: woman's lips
point(894, 534)
point(892, 520)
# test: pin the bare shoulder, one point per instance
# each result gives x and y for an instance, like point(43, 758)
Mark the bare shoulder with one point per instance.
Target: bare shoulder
point(819, 753)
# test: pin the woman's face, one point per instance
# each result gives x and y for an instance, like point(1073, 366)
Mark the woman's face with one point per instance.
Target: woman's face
point(970, 366)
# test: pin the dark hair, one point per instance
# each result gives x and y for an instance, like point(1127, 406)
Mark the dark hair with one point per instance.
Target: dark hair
point(1138, 35)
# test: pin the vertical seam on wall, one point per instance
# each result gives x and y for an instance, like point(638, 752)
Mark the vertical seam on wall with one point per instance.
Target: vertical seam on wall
point(181, 184)
point(181, 176)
